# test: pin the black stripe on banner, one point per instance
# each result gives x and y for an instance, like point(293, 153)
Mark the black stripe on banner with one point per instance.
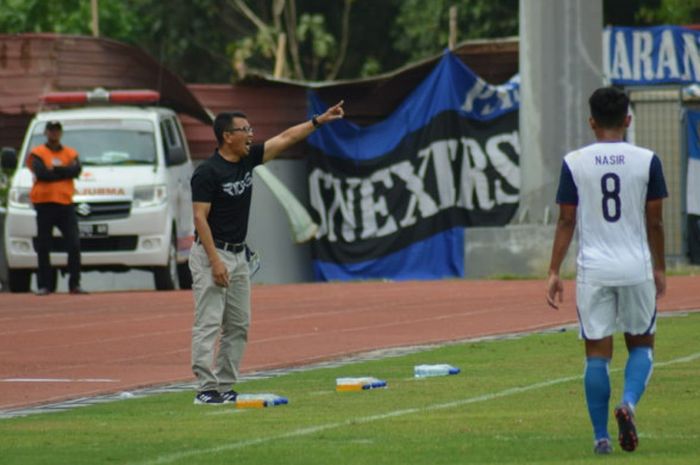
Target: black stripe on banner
point(452, 172)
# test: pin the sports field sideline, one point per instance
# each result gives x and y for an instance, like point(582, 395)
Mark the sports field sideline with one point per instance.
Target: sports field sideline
point(63, 347)
point(518, 400)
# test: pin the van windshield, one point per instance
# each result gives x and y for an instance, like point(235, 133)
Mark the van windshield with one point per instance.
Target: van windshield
point(106, 142)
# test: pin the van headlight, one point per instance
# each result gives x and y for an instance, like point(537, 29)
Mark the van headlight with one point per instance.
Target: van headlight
point(150, 196)
point(19, 197)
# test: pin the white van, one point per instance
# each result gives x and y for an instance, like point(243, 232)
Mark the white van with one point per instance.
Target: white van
point(132, 198)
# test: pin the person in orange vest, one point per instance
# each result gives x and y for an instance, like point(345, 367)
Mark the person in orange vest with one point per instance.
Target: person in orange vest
point(54, 167)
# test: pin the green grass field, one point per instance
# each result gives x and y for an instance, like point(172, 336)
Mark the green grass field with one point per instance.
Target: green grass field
point(517, 401)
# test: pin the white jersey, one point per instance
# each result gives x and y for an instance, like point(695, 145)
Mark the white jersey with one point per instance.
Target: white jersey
point(610, 182)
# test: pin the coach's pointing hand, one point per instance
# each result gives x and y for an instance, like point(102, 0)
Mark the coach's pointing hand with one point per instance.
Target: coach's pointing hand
point(333, 113)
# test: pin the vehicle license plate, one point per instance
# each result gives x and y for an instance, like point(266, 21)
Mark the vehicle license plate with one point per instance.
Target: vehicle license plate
point(93, 230)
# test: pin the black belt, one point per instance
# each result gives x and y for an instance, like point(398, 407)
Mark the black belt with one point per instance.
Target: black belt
point(229, 246)
point(234, 247)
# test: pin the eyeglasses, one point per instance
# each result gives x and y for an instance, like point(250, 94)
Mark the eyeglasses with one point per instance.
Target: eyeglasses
point(247, 129)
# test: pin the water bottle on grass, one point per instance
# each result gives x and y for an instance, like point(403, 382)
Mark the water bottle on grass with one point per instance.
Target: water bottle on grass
point(260, 400)
point(427, 371)
point(362, 383)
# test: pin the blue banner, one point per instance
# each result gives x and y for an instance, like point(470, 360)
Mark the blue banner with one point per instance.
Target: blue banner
point(392, 199)
point(654, 55)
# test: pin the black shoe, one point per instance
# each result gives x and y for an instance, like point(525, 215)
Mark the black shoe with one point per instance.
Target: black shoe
point(624, 414)
point(229, 396)
point(42, 291)
point(78, 290)
point(602, 447)
point(208, 398)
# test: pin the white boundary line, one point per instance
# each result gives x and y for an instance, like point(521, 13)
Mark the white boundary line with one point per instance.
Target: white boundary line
point(169, 458)
point(341, 360)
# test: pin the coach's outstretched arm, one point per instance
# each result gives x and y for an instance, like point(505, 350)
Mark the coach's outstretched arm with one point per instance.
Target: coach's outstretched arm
point(291, 136)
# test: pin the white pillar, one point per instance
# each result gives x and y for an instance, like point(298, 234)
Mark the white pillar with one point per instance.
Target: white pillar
point(560, 66)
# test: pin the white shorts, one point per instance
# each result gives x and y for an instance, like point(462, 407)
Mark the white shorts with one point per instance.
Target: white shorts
point(605, 310)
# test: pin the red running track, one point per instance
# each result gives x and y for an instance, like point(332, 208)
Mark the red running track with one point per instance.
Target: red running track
point(63, 346)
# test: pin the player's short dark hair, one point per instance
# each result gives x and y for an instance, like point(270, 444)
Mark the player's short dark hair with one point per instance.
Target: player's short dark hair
point(609, 107)
point(224, 122)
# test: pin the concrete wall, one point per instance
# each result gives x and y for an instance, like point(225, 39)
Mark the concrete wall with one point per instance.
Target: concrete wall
point(269, 233)
point(520, 251)
point(561, 61)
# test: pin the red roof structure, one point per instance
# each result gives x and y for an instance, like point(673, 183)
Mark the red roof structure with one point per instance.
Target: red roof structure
point(272, 105)
point(33, 64)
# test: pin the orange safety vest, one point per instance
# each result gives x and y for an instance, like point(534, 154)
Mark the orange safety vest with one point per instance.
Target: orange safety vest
point(59, 191)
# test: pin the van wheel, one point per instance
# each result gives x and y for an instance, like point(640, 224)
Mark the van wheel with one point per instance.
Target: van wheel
point(184, 275)
point(165, 277)
point(18, 280)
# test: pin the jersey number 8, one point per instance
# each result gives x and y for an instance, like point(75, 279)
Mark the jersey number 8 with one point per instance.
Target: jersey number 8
point(612, 205)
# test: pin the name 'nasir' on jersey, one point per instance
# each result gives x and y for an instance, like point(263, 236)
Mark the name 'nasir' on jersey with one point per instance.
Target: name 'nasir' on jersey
point(610, 183)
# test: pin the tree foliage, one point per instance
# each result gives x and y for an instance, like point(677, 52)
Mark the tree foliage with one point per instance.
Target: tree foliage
point(651, 12)
point(221, 40)
point(65, 17)
point(189, 37)
point(671, 12)
point(217, 40)
point(422, 28)
point(178, 34)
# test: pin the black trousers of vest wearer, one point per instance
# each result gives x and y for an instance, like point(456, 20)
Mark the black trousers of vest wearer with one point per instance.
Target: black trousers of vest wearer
point(62, 217)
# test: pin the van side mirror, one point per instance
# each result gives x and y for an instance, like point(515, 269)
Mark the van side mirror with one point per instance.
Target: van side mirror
point(9, 159)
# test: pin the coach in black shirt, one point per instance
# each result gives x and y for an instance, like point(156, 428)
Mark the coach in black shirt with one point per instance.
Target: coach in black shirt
point(221, 194)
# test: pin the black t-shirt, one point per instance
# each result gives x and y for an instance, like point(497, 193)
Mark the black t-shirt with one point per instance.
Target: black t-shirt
point(228, 187)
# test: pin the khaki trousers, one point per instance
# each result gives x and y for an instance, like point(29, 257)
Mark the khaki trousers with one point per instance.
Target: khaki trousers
point(220, 313)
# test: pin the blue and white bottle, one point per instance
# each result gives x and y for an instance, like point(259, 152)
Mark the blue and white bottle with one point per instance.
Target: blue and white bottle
point(426, 371)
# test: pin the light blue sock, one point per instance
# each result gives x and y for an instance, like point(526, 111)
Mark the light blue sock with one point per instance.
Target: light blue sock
point(596, 381)
point(640, 365)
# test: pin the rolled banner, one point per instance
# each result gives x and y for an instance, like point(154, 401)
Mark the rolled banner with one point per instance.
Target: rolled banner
point(302, 226)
